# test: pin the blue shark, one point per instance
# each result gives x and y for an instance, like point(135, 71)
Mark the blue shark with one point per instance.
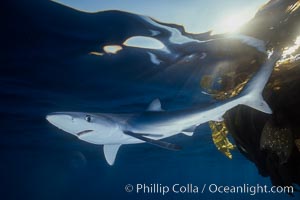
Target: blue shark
point(113, 130)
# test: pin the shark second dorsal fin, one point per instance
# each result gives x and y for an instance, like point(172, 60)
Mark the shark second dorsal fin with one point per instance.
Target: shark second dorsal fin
point(110, 152)
point(155, 105)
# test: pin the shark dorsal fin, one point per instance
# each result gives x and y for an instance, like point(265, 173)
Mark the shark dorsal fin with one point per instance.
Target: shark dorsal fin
point(110, 152)
point(155, 105)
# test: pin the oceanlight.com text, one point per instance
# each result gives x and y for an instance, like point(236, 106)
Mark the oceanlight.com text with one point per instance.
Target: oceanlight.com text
point(163, 189)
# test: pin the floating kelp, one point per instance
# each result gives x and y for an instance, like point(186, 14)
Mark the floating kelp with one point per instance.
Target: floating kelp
point(219, 136)
point(270, 141)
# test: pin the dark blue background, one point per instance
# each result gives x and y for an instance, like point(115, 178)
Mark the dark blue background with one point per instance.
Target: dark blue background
point(46, 67)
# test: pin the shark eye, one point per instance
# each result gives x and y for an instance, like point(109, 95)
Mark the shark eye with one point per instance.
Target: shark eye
point(88, 118)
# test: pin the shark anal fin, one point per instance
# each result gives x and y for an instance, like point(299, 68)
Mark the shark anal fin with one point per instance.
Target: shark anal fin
point(158, 143)
point(110, 152)
point(189, 131)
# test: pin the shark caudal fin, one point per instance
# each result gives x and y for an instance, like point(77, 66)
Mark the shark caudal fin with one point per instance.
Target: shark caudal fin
point(258, 103)
point(252, 93)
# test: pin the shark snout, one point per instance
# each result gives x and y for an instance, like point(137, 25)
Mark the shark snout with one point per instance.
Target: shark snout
point(57, 118)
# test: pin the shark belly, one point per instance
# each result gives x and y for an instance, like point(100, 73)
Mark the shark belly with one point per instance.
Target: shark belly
point(119, 137)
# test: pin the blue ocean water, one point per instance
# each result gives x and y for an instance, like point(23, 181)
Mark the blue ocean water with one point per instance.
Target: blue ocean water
point(47, 67)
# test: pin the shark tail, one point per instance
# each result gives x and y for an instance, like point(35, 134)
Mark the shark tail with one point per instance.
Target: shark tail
point(252, 94)
point(258, 103)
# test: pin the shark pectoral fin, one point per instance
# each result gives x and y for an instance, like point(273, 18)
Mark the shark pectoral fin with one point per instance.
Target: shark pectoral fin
point(158, 143)
point(110, 152)
point(153, 135)
point(155, 105)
